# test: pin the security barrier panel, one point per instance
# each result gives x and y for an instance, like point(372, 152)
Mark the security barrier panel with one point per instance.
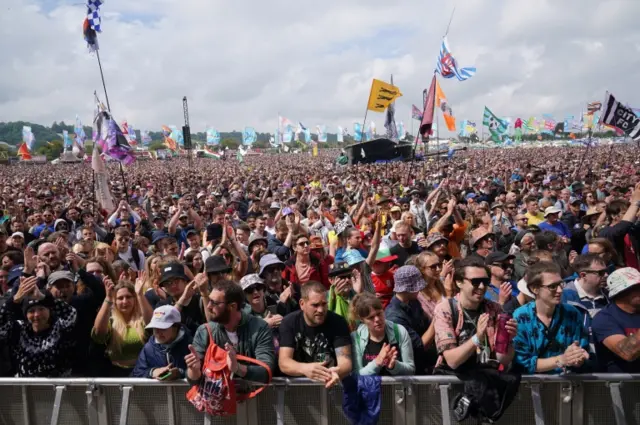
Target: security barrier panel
point(424, 400)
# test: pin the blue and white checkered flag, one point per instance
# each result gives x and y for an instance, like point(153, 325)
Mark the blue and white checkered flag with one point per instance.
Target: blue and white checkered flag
point(93, 14)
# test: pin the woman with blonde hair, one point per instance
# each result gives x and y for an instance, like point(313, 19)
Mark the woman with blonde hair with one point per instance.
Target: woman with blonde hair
point(430, 267)
point(120, 325)
point(380, 347)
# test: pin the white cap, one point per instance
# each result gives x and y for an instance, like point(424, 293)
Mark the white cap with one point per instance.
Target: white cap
point(621, 280)
point(164, 317)
point(18, 235)
point(552, 210)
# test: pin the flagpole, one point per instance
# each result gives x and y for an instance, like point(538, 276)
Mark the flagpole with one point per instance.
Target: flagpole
point(450, 19)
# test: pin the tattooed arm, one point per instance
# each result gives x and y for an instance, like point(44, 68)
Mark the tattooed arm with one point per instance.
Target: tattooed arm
point(627, 348)
point(343, 355)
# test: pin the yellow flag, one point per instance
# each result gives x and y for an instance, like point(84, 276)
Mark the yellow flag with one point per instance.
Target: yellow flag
point(381, 96)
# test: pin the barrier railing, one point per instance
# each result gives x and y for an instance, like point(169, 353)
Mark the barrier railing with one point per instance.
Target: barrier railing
point(425, 400)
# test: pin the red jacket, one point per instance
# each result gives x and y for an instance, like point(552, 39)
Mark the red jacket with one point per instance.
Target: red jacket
point(319, 273)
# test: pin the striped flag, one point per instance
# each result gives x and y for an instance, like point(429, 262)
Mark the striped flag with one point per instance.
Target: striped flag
point(620, 116)
point(448, 67)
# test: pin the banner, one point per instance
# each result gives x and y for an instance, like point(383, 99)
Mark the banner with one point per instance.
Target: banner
point(249, 136)
point(213, 137)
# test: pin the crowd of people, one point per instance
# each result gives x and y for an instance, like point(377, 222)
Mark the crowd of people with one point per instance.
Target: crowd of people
point(521, 260)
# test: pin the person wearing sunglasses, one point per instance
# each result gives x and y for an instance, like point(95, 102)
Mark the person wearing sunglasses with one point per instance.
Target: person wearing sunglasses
point(304, 265)
point(551, 338)
point(501, 289)
point(586, 292)
point(254, 290)
point(466, 325)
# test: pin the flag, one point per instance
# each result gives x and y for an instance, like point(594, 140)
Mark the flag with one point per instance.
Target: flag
point(357, 130)
point(371, 133)
point(23, 152)
point(213, 136)
point(447, 66)
point(27, 137)
point(301, 126)
point(447, 113)
point(128, 132)
point(133, 138)
point(426, 124)
point(314, 150)
point(92, 24)
point(249, 136)
point(307, 135)
point(211, 155)
point(287, 134)
point(145, 137)
point(102, 192)
point(415, 113)
point(402, 134)
point(340, 135)
point(381, 95)
point(470, 127)
point(168, 141)
point(620, 116)
point(79, 132)
point(450, 153)
point(66, 140)
point(593, 107)
point(176, 135)
point(568, 122)
point(549, 122)
point(497, 127)
point(241, 152)
point(518, 129)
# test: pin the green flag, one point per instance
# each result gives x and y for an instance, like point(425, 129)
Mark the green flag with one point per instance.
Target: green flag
point(497, 127)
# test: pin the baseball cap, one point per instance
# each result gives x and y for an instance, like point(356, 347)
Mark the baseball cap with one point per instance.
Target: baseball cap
point(471, 195)
point(621, 280)
point(164, 317)
point(250, 280)
point(395, 209)
point(18, 235)
point(384, 255)
point(551, 210)
point(497, 257)
point(172, 271)
point(269, 260)
point(408, 279)
point(60, 275)
point(573, 201)
point(157, 217)
point(158, 235)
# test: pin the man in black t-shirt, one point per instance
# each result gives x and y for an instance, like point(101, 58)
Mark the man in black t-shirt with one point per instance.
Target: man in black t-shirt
point(405, 246)
point(315, 342)
point(176, 284)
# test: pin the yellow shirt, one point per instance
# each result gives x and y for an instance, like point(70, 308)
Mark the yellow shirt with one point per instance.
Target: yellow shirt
point(535, 219)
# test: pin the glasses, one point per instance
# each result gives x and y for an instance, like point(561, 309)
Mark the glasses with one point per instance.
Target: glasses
point(435, 266)
point(477, 281)
point(253, 288)
point(217, 303)
point(303, 243)
point(601, 273)
point(553, 287)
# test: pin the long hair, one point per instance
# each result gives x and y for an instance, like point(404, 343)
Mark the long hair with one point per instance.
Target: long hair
point(119, 325)
point(151, 275)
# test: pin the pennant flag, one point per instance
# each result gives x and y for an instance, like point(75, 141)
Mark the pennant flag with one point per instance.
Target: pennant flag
point(619, 116)
point(497, 127)
point(426, 125)
point(23, 152)
point(357, 130)
point(146, 137)
point(102, 192)
point(249, 136)
point(213, 136)
point(381, 95)
point(447, 66)
point(416, 114)
point(340, 134)
point(27, 137)
point(447, 113)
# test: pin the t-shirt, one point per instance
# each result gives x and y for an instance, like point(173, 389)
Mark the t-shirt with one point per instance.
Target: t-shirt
point(314, 344)
point(614, 321)
point(372, 350)
point(404, 253)
point(534, 219)
point(383, 285)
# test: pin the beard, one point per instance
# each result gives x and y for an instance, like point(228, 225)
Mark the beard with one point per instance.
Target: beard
point(223, 318)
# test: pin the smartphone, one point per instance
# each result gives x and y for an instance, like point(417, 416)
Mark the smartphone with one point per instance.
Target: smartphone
point(286, 211)
point(165, 375)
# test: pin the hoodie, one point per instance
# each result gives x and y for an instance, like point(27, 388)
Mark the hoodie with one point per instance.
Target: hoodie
point(155, 355)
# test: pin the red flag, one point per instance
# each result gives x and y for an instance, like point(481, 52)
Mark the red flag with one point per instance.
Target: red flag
point(427, 115)
point(24, 152)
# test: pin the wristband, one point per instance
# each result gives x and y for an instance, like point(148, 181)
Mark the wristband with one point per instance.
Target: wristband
point(106, 301)
point(476, 341)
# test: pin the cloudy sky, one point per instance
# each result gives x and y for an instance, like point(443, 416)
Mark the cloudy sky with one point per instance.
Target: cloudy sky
point(242, 62)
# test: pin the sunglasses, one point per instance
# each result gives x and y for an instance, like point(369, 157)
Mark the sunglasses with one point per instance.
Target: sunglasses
point(251, 289)
point(553, 287)
point(477, 281)
point(304, 243)
point(601, 273)
point(435, 266)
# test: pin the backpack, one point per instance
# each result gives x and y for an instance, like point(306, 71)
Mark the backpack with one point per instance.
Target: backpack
point(215, 394)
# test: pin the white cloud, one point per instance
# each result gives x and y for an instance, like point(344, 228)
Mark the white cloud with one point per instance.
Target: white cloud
point(241, 63)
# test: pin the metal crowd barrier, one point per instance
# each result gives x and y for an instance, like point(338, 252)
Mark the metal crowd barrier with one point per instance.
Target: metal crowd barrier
point(424, 400)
